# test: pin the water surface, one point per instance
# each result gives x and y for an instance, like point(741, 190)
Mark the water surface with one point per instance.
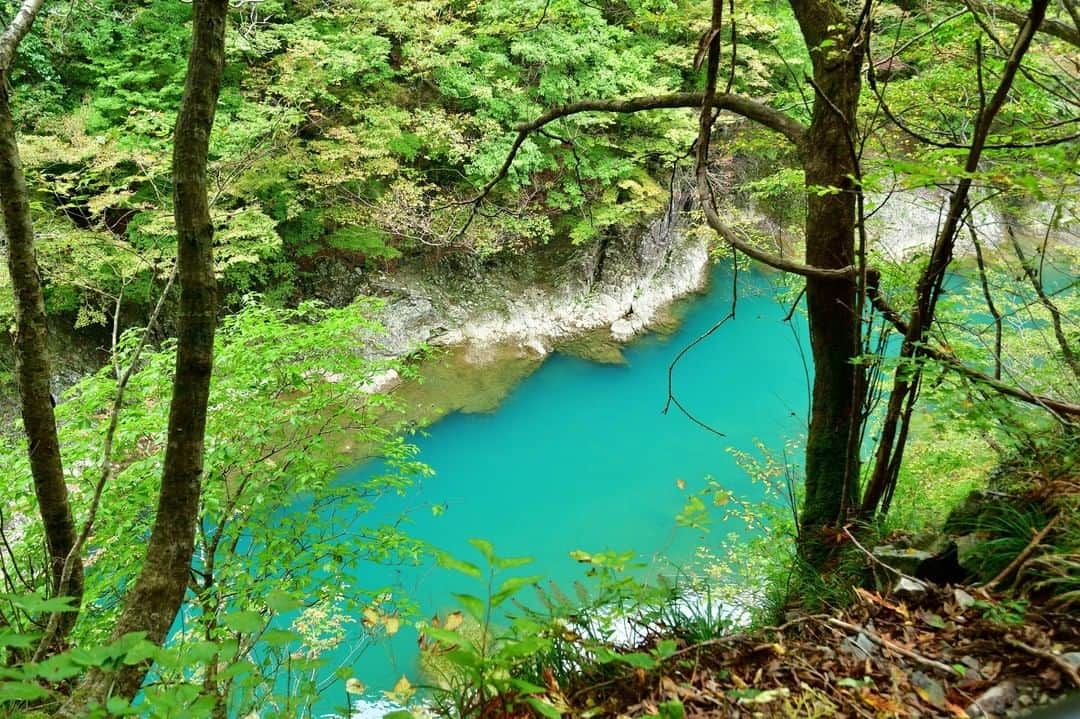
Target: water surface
point(580, 456)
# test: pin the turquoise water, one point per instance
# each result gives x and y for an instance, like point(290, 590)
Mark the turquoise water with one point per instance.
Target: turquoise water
point(580, 456)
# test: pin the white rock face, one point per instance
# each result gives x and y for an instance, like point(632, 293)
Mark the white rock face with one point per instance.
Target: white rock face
point(626, 299)
point(621, 284)
point(908, 222)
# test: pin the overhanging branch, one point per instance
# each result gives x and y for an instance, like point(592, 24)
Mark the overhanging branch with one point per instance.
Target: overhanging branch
point(760, 113)
point(953, 363)
point(767, 116)
point(16, 31)
point(1055, 28)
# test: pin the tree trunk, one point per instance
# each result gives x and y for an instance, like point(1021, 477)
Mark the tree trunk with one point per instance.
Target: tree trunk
point(152, 604)
point(32, 367)
point(835, 330)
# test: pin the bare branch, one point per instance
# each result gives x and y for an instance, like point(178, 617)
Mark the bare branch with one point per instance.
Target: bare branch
point(951, 362)
point(1048, 27)
point(1071, 359)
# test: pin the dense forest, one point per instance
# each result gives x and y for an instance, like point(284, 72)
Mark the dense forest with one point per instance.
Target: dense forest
point(255, 251)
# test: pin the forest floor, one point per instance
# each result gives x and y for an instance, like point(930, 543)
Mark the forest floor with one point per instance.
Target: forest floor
point(1003, 648)
point(933, 652)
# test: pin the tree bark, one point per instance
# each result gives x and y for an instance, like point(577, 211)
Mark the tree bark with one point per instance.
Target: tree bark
point(829, 161)
point(153, 602)
point(32, 365)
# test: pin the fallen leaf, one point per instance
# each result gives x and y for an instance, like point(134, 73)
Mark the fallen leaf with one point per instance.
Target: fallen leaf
point(770, 695)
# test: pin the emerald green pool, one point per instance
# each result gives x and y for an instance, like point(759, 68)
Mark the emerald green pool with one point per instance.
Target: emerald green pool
point(579, 455)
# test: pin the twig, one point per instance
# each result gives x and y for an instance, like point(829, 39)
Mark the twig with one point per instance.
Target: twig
point(671, 398)
point(1023, 556)
point(894, 647)
point(1061, 662)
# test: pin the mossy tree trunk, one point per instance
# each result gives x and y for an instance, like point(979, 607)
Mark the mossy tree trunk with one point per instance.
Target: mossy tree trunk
point(33, 370)
point(829, 161)
point(152, 603)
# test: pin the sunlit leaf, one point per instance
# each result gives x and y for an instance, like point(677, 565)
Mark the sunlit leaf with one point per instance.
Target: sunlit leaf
point(454, 620)
point(392, 624)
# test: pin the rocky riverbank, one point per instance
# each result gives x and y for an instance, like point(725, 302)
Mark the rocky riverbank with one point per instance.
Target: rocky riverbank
point(525, 306)
point(621, 286)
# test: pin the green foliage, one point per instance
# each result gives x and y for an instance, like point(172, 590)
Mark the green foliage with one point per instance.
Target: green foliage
point(1009, 611)
point(339, 124)
point(945, 462)
point(471, 657)
point(353, 131)
point(1003, 531)
point(272, 590)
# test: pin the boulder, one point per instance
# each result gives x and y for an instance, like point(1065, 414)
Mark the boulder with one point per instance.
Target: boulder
point(903, 559)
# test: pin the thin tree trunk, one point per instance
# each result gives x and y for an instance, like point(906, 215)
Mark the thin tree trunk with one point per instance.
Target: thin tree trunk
point(152, 604)
point(891, 445)
point(32, 367)
point(984, 282)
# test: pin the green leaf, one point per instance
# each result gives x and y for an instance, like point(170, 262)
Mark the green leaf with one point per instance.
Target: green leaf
point(510, 587)
point(21, 692)
point(526, 687)
point(504, 563)
point(120, 707)
point(445, 560)
point(545, 708)
point(280, 637)
point(934, 620)
point(278, 600)
point(851, 683)
point(246, 622)
point(671, 710)
point(200, 652)
point(446, 636)
point(34, 604)
point(485, 548)
point(58, 668)
point(665, 648)
point(637, 660)
point(473, 605)
point(17, 639)
point(521, 648)
point(465, 658)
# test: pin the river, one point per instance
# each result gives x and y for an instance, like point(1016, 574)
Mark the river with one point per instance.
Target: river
point(579, 455)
